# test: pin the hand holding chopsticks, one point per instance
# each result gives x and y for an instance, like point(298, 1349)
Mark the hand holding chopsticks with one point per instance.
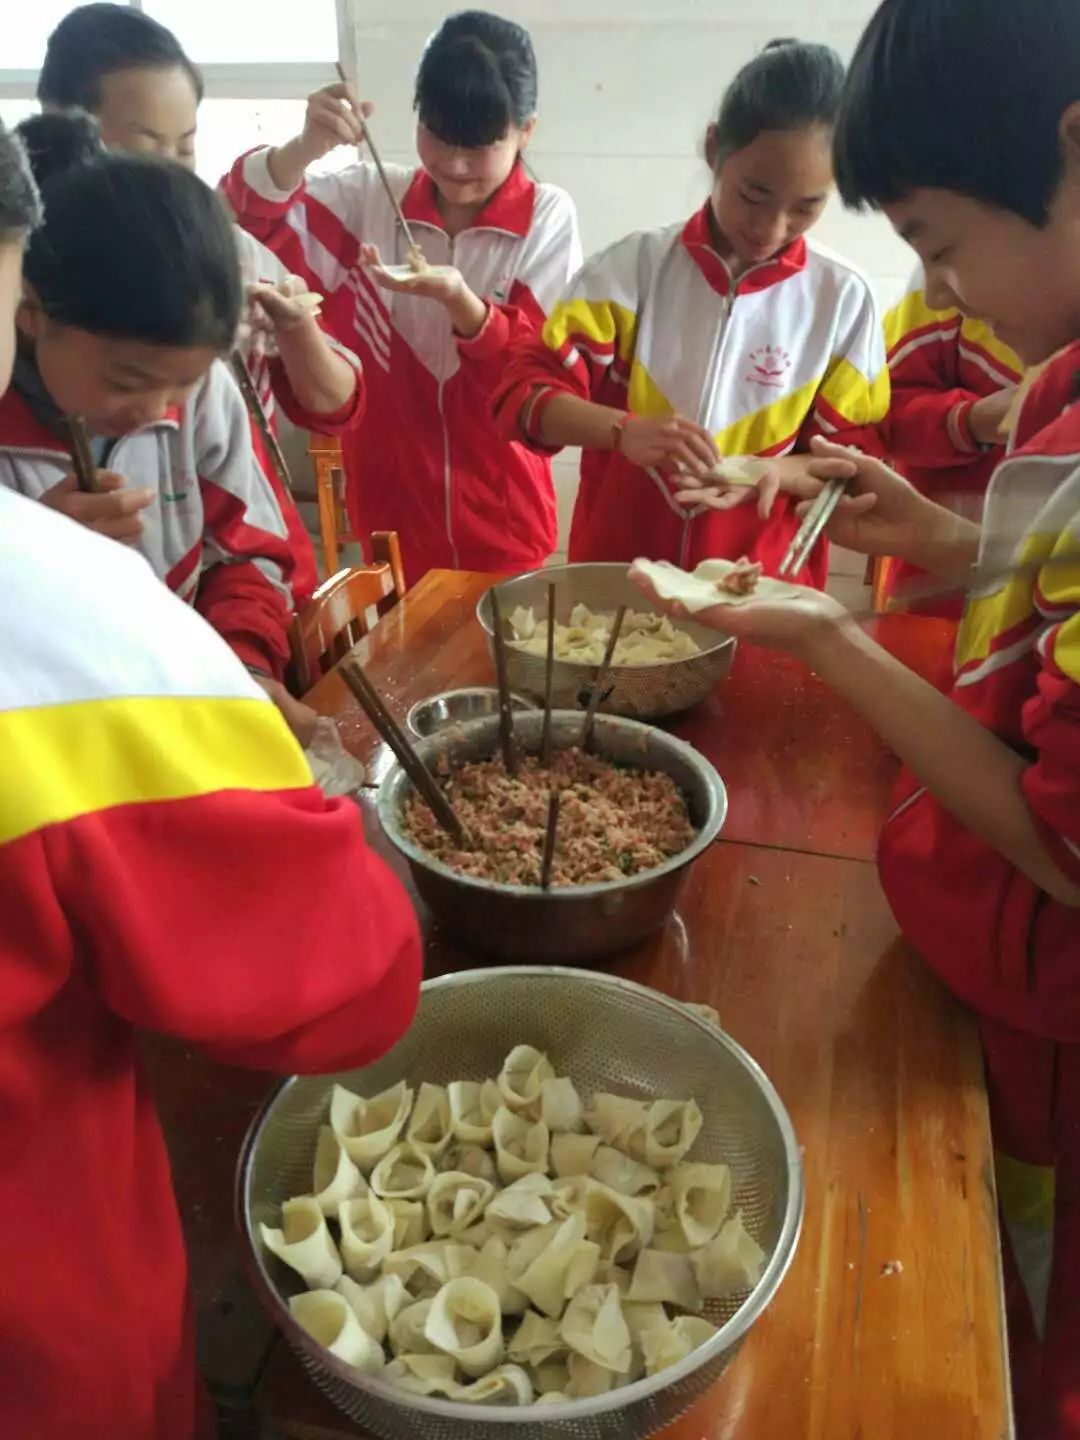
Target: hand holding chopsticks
point(390, 193)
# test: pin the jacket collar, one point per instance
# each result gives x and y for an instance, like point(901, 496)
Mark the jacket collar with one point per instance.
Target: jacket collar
point(698, 242)
point(23, 429)
point(510, 209)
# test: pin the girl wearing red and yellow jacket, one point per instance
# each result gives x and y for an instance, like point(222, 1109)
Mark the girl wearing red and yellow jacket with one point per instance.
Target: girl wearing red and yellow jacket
point(131, 73)
point(160, 839)
point(121, 324)
point(980, 859)
point(731, 335)
point(427, 461)
point(952, 383)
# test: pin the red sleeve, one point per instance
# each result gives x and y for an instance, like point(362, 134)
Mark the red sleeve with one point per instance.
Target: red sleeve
point(1052, 727)
point(336, 422)
point(928, 418)
point(247, 610)
point(257, 924)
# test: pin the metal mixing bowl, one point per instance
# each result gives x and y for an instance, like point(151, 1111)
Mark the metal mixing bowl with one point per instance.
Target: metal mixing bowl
point(640, 692)
point(606, 1034)
point(566, 923)
point(453, 706)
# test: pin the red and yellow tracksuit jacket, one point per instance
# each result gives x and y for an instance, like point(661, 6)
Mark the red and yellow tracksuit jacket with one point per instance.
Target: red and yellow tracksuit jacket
point(215, 533)
point(940, 364)
point(261, 266)
point(427, 460)
point(656, 324)
point(1001, 944)
point(160, 842)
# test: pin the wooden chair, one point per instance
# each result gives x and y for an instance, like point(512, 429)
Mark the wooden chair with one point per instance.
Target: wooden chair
point(343, 610)
point(334, 528)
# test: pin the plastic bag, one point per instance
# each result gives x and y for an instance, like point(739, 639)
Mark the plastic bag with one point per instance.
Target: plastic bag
point(334, 770)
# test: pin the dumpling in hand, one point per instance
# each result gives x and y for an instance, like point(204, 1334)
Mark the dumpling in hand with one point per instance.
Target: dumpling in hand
point(594, 1327)
point(472, 1108)
point(520, 1080)
point(335, 1177)
point(304, 1243)
point(404, 1173)
point(369, 1128)
point(456, 1201)
point(326, 1317)
point(465, 1321)
point(521, 1146)
point(731, 1263)
point(367, 1235)
point(430, 1126)
point(375, 1305)
point(672, 1342)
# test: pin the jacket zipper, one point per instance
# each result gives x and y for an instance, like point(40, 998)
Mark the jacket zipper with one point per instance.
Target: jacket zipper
point(448, 483)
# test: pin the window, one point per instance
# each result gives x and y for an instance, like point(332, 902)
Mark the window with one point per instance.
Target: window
point(261, 59)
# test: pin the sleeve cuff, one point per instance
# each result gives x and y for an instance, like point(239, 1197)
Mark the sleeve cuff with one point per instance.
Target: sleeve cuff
point(1064, 851)
point(490, 340)
point(253, 657)
point(959, 427)
point(257, 178)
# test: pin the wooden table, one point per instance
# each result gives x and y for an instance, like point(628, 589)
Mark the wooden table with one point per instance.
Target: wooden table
point(784, 929)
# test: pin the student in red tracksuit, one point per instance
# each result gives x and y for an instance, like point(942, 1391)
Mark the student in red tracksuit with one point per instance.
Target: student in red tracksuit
point(132, 293)
point(953, 383)
point(133, 76)
point(981, 857)
point(732, 334)
point(160, 840)
point(427, 461)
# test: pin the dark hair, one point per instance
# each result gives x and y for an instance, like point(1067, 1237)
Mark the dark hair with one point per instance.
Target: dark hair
point(477, 78)
point(20, 207)
point(961, 95)
point(96, 41)
point(132, 247)
point(791, 85)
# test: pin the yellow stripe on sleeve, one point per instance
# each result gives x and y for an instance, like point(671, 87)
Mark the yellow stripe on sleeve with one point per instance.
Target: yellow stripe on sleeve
point(603, 321)
point(59, 762)
point(859, 400)
point(910, 314)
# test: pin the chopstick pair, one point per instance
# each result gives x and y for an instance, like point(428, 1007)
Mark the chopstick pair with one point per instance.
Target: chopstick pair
point(255, 410)
point(382, 173)
point(813, 523)
point(82, 457)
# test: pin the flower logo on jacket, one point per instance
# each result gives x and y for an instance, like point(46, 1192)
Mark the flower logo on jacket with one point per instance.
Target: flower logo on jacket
point(769, 365)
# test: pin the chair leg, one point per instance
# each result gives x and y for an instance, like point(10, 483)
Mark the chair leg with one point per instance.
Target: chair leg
point(386, 550)
point(328, 532)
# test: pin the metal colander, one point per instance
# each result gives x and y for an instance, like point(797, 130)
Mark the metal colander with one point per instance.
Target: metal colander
point(607, 1034)
point(641, 692)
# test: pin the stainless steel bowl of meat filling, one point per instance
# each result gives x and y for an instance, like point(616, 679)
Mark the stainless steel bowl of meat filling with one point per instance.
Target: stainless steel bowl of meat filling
point(634, 815)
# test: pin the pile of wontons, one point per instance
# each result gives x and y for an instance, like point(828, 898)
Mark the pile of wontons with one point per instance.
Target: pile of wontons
point(645, 638)
point(497, 1242)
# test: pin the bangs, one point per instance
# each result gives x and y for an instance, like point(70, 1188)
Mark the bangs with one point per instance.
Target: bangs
point(461, 96)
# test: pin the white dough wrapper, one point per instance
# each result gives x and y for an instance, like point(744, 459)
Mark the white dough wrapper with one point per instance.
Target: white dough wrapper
point(335, 1176)
point(305, 1243)
point(671, 1127)
point(622, 1173)
point(520, 1080)
point(473, 1105)
point(731, 1263)
point(536, 1340)
point(522, 1204)
point(620, 1224)
point(375, 1305)
point(405, 1331)
point(423, 1374)
point(370, 1128)
point(701, 590)
point(594, 1326)
point(425, 1269)
point(470, 1159)
point(561, 1107)
point(430, 1127)
point(465, 1321)
point(328, 1318)
point(507, 1385)
point(702, 1197)
point(665, 1279)
point(544, 1281)
point(404, 1173)
point(521, 1145)
point(672, 1342)
point(410, 1223)
point(587, 1379)
point(572, 1155)
point(492, 1266)
point(457, 1201)
point(367, 1235)
point(617, 1119)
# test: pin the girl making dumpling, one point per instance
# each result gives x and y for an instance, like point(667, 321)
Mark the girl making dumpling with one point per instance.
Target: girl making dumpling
point(132, 295)
point(728, 335)
point(132, 74)
point(427, 461)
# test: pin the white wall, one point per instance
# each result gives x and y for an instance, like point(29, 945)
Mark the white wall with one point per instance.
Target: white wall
point(626, 91)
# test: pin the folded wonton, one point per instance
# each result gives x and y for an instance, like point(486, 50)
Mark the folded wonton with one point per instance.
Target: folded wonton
point(702, 1199)
point(369, 1128)
point(430, 1127)
point(424, 1374)
point(594, 1327)
point(672, 1342)
point(507, 1385)
point(404, 1173)
point(304, 1243)
point(367, 1235)
point(327, 1318)
point(472, 1108)
point(425, 1269)
point(671, 1127)
point(560, 1106)
point(733, 1262)
point(375, 1305)
point(335, 1177)
point(456, 1201)
point(521, 1146)
point(665, 1280)
point(521, 1079)
point(465, 1321)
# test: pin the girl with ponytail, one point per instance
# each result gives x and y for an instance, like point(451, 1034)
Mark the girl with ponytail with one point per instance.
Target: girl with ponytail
point(500, 248)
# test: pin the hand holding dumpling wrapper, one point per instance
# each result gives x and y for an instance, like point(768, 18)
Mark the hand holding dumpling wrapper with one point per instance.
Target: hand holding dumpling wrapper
point(547, 1286)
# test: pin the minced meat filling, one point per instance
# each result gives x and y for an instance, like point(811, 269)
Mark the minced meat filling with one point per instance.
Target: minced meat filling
point(613, 821)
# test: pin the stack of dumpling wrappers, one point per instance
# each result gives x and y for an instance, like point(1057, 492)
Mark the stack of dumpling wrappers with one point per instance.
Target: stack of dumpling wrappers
point(498, 1242)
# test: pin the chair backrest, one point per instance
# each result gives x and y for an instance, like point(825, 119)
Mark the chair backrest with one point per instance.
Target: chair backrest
point(343, 610)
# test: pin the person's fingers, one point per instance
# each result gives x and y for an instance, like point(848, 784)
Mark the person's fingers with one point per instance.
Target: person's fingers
point(718, 499)
point(850, 507)
point(683, 453)
point(126, 528)
point(768, 487)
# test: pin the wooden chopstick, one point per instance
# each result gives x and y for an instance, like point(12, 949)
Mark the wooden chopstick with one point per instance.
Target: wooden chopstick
point(601, 676)
point(242, 376)
point(82, 457)
point(382, 173)
point(371, 702)
point(506, 705)
point(549, 678)
point(814, 522)
point(548, 862)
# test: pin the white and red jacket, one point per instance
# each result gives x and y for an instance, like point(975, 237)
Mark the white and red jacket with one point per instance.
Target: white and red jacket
point(940, 364)
point(656, 324)
point(214, 531)
point(260, 266)
point(160, 841)
point(427, 461)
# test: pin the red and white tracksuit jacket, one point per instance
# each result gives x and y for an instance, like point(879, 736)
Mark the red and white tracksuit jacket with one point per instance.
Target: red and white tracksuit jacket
point(656, 325)
point(427, 461)
point(214, 533)
point(160, 841)
point(940, 364)
point(1005, 947)
point(259, 265)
